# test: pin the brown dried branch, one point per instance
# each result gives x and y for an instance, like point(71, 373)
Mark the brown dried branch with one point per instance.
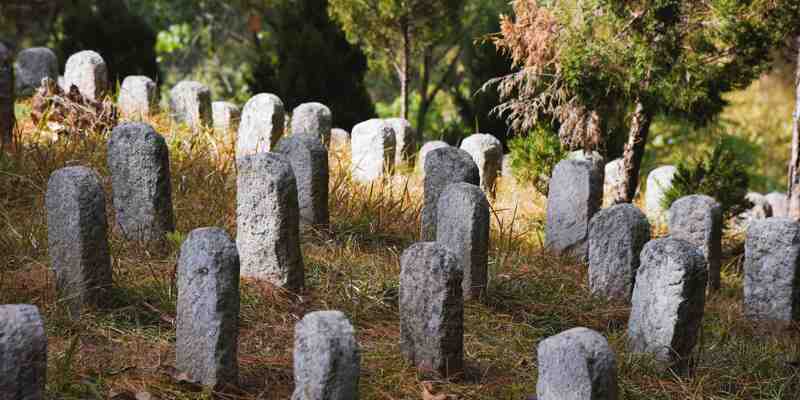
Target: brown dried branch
point(71, 113)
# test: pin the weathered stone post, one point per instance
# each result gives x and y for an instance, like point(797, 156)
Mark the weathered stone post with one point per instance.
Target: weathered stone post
point(443, 167)
point(138, 97)
point(261, 126)
point(487, 152)
point(772, 270)
point(697, 219)
point(313, 119)
point(87, 70)
point(190, 103)
point(23, 353)
point(372, 150)
point(575, 195)
point(309, 160)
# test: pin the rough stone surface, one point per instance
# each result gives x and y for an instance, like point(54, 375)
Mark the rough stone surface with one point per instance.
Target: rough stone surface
point(443, 167)
point(207, 323)
point(761, 209)
point(225, 116)
point(7, 119)
point(779, 204)
point(31, 66)
point(426, 149)
point(327, 358)
point(697, 219)
point(268, 220)
point(23, 353)
point(309, 160)
point(262, 124)
point(616, 238)
point(463, 227)
point(592, 156)
point(658, 182)
point(487, 151)
point(77, 237)
point(405, 140)
point(614, 178)
point(314, 119)
point(772, 270)
point(372, 150)
point(138, 97)
point(87, 70)
point(668, 300)
point(340, 139)
point(432, 309)
point(138, 159)
point(190, 104)
point(577, 364)
point(575, 195)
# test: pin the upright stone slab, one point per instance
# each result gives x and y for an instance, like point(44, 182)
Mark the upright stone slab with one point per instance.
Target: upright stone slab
point(372, 150)
point(23, 353)
point(577, 364)
point(207, 323)
point(33, 65)
point(261, 126)
point(190, 104)
point(340, 139)
point(772, 270)
point(779, 204)
point(138, 159)
point(443, 167)
point(268, 220)
point(138, 97)
point(225, 116)
point(87, 70)
point(616, 238)
point(405, 139)
point(309, 160)
point(668, 300)
point(77, 236)
point(7, 119)
point(614, 178)
point(658, 182)
point(575, 195)
point(463, 227)
point(313, 119)
point(327, 358)
point(432, 309)
point(697, 219)
point(426, 149)
point(487, 152)
point(760, 209)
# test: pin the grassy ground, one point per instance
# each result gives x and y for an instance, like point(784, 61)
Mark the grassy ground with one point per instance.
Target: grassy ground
point(127, 347)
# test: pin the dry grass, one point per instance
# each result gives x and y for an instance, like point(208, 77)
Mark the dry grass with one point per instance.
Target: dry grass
point(129, 345)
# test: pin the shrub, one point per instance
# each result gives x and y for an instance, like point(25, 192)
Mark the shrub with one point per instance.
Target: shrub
point(533, 157)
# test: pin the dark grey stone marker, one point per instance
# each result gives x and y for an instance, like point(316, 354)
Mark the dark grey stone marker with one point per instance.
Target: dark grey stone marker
point(463, 227)
point(577, 364)
point(77, 236)
point(190, 103)
point(207, 323)
point(138, 159)
point(668, 300)
point(268, 220)
point(88, 72)
point(33, 65)
point(426, 149)
point(327, 358)
point(432, 309)
point(616, 238)
point(313, 119)
point(309, 160)
point(7, 119)
point(138, 97)
point(443, 167)
point(697, 219)
point(575, 195)
point(772, 270)
point(23, 353)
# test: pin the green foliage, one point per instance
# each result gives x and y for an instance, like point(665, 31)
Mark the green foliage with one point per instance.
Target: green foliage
point(533, 157)
point(719, 174)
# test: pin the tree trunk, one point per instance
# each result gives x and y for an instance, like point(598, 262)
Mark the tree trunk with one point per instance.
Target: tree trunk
point(634, 152)
point(793, 191)
point(404, 67)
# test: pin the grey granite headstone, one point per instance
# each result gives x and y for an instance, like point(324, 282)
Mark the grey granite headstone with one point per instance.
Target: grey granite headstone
point(372, 150)
point(697, 219)
point(779, 204)
point(772, 270)
point(616, 238)
point(88, 71)
point(309, 160)
point(463, 227)
point(7, 118)
point(614, 178)
point(138, 97)
point(77, 237)
point(23, 353)
point(487, 151)
point(207, 323)
point(327, 358)
point(268, 220)
point(261, 126)
point(443, 167)
point(658, 182)
point(405, 141)
point(577, 364)
point(225, 116)
point(33, 65)
point(575, 195)
point(432, 309)
point(313, 119)
point(190, 104)
point(138, 159)
point(668, 301)
point(426, 149)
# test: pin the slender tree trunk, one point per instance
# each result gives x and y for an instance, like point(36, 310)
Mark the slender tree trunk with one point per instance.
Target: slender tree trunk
point(405, 66)
point(634, 152)
point(793, 191)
